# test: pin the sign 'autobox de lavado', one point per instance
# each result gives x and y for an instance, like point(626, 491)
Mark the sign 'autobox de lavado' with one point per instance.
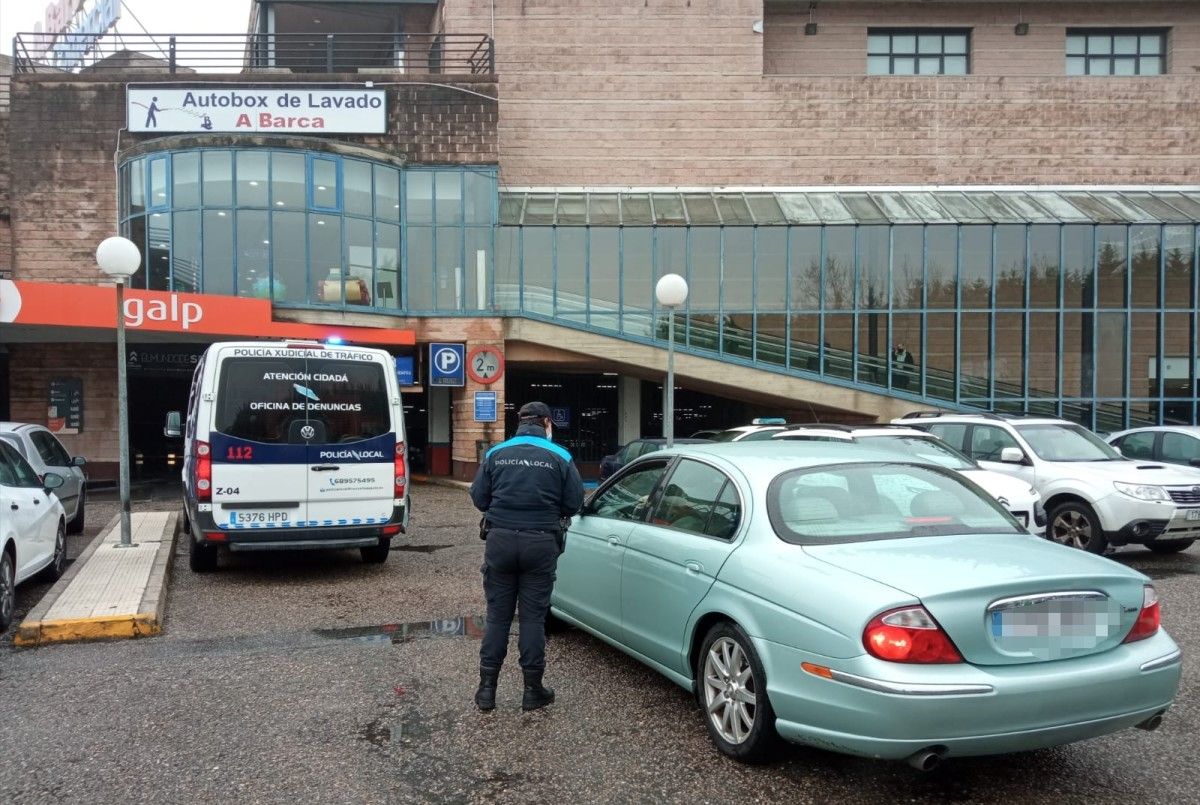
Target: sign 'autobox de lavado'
point(256, 109)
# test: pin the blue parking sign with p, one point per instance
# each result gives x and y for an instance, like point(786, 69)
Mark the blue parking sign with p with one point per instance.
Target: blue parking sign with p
point(447, 365)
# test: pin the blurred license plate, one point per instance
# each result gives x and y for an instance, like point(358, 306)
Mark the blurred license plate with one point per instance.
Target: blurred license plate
point(1193, 514)
point(259, 518)
point(1053, 626)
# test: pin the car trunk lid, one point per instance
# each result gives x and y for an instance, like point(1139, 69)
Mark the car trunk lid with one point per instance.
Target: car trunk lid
point(1004, 599)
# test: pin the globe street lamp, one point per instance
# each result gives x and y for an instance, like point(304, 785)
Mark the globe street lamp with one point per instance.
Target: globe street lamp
point(671, 292)
point(119, 258)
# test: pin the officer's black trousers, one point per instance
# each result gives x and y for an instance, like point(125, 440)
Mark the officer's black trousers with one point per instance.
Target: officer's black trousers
point(518, 567)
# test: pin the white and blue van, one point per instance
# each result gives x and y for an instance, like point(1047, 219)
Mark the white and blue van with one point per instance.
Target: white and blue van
point(293, 444)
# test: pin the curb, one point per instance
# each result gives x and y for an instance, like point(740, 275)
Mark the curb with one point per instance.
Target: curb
point(147, 621)
point(436, 480)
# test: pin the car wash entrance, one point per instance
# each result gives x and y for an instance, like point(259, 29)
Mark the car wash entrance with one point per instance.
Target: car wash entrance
point(160, 378)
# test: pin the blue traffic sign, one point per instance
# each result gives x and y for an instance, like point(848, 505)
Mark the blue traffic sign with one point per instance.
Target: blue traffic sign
point(560, 417)
point(485, 406)
point(447, 365)
point(404, 370)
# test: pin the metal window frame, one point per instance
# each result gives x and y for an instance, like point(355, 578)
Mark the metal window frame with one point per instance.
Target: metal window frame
point(892, 32)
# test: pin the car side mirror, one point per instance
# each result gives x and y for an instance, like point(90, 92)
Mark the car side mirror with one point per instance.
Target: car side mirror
point(1012, 455)
point(78, 461)
point(174, 427)
point(52, 481)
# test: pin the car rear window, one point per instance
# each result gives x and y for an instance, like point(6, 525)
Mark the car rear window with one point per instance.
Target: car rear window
point(263, 399)
point(859, 502)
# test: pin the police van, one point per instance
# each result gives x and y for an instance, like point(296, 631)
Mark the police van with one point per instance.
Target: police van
point(290, 445)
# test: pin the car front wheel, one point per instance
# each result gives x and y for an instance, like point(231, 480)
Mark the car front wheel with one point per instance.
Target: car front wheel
point(8, 589)
point(733, 693)
point(1075, 524)
point(54, 570)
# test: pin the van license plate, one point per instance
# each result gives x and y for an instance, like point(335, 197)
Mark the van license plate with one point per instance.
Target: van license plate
point(276, 518)
point(1193, 514)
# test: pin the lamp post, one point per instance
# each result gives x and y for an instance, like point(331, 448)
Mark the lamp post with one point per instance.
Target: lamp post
point(119, 258)
point(671, 292)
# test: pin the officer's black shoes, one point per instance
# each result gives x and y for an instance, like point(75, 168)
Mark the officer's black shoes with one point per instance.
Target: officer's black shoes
point(485, 697)
point(535, 694)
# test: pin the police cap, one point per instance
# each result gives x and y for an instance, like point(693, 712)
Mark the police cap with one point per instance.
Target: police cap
point(534, 410)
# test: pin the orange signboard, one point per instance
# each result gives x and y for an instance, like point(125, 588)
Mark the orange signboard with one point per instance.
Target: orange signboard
point(65, 305)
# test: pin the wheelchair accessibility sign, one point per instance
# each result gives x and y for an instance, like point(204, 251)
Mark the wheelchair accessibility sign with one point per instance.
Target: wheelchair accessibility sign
point(447, 365)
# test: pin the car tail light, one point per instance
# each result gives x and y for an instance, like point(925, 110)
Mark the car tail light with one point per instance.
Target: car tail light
point(203, 471)
point(909, 634)
point(1148, 619)
point(401, 471)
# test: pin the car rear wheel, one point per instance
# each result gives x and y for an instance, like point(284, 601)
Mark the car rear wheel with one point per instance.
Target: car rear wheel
point(376, 554)
point(8, 590)
point(1170, 545)
point(202, 558)
point(733, 694)
point(1075, 524)
point(54, 570)
point(77, 522)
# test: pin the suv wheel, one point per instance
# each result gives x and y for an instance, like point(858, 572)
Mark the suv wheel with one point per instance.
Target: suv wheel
point(1075, 524)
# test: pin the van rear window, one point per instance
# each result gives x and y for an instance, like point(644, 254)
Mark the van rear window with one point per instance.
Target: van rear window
point(271, 400)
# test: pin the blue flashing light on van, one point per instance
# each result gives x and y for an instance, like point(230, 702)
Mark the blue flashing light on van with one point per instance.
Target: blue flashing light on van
point(293, 445)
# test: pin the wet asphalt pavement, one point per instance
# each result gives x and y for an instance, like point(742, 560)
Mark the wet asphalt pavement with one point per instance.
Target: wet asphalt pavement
point(316, 678)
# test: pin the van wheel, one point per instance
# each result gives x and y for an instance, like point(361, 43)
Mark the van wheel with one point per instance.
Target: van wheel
point(202, 558)
point(377, 554)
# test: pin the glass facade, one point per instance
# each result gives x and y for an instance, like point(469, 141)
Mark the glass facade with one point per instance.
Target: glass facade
point(1078, 304)
point(1095, 323)
point(306, 228)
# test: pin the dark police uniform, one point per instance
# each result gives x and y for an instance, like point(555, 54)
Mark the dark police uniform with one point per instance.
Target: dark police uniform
point(525, 487)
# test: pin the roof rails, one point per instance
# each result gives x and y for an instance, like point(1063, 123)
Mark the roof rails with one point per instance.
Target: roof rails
point(983, 414)
point(819, 426)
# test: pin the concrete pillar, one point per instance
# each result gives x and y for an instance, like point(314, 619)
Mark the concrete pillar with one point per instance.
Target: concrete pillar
point(629, 409)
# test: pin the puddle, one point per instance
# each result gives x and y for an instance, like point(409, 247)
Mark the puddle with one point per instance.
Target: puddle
point(420, 548)
point(471, 626)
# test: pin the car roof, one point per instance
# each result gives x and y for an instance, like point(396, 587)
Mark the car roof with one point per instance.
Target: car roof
point(851, 431)
point(762, 461)
point(914, 421)
point(13, 427)
point(1191, 430)
point(660, 440)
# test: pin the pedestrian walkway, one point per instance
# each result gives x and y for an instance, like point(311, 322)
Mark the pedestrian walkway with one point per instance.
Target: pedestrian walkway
point(109, 591)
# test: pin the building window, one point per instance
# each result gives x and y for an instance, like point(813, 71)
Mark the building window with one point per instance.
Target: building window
point(1116, 52)
point(305, 228)
point(917, 51)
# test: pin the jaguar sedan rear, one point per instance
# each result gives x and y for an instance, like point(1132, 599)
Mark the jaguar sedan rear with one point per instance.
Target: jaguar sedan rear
point(834, 596)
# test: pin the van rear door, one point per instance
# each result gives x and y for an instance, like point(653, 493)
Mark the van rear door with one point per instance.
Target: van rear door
point(352, 453)
point(259, 456)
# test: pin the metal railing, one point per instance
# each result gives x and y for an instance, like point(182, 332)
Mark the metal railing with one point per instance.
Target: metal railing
point(443, 53)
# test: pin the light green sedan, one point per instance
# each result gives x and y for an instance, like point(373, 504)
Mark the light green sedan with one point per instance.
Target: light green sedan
point(835, 597)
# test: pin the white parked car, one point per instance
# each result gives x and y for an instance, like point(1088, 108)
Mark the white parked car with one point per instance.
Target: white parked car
point(45, 454)
point(1171, 444)
point(1022, 500)
point(759, 430)
point(33, 536)
point(1093, 496)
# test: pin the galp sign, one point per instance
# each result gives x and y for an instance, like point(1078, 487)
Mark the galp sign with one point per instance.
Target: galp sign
point(184, 314)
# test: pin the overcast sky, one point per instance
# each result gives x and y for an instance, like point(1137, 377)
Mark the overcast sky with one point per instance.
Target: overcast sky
point(159, 16)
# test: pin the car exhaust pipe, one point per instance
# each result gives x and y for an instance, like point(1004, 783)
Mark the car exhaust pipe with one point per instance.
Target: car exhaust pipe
point(1152, 723)
point(926, 759)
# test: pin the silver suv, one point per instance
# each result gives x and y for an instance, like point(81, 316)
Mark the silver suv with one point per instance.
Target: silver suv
point(1094, 498)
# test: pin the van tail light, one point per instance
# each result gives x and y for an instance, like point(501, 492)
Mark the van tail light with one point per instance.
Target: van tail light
point(1148, 619)
point(203, 471)
point(401, 471)
point(909, 634)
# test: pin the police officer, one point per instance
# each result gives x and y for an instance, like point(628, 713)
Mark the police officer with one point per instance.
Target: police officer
point(525, 488)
